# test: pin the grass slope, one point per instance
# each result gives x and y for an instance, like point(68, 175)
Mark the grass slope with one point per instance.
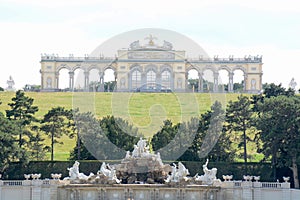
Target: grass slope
point(144, 110)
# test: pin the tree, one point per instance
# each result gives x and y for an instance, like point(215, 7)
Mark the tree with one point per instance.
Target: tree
point(80, 123)
point(165, 135)
point(55, 124)
point(9, 150)
point(239, 118)
point(109, 86)
point(1, 89)
point(193, 84)
point(37, 147)
point(279, 123)
point(22, 111)
point(270, 90)
point(211, 140)
point(108, 138)
point(238, 87)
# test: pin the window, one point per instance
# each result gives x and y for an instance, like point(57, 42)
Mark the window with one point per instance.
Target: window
point(136, 79)
point(166, 80)
point(151, 78)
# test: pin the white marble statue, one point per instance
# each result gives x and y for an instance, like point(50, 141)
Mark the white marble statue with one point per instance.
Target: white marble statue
point(127, 155)
point(135, 45)
point(104, 169)
point(10, 84)
point(140, 149)
point(178, 174)
point(159, 159)
point(293, 84)
point(167, 45)
point(109, 172)
point(182, 171)
point(135, 152)
point(209, 177)
point(75, 174)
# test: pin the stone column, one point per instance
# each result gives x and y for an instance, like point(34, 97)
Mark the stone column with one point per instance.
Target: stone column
point(245, 82)
point(36, 190)
point(144, 79)
point(71, 80)
point(247, 190)
point(216, 82)
point(186, 81)
point(53, 189)
point(56, 80)
point(42, 80)
point(116, 82)
point(230, 83)
point(129, 82)
point(200, 82)
point(101, 81)
point(228, 189)
point(257, 191)
point(86, 81)
point(1, 184)
point(158, 81)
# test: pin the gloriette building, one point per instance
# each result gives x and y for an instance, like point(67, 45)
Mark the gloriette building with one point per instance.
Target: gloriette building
point(152, 67)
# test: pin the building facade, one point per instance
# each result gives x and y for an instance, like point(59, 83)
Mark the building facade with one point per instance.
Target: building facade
point(152, 67)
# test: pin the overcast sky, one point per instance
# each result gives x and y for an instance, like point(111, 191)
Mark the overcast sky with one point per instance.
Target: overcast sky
point(232, 27)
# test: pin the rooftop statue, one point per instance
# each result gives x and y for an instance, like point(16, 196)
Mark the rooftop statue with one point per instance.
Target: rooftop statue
point(135, 45)
point(151, 38)
point(167, 45)
point(10, 84)
point(293, 84)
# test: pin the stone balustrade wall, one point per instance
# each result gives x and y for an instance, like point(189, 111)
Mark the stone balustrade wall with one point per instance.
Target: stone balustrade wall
point(57, 189)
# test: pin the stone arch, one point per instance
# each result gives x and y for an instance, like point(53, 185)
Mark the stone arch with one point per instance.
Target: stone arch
point(78, 67)
point(166, 79)
point(63, 75)
point(135, 66)
point(191, 67)
point(63, 66)
point(210, 79)
point(239, 80)
point(151, 67)
point(93, 67)
point(110, 67)
point(225, 67)
point(209, 67)
point(166, 67)
point(239, 67)
point(135, 78)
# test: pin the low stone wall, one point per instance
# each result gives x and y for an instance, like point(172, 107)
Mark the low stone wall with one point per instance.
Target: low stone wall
point(62, 190)
point(138, 192)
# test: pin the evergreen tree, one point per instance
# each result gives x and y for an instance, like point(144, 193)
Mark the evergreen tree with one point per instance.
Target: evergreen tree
point(211, 140)
point(108, 138)
point(37, 147)
point(22, 112)
point(9, 150)
point(55, 124)
point(239, 118)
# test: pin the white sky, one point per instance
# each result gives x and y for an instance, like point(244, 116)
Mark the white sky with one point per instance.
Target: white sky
point(232, 27)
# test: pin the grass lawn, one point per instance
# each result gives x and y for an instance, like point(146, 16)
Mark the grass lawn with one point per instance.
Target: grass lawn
point(144, 110)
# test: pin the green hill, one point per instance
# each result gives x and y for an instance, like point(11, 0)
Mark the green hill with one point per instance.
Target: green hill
point(144, 110)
